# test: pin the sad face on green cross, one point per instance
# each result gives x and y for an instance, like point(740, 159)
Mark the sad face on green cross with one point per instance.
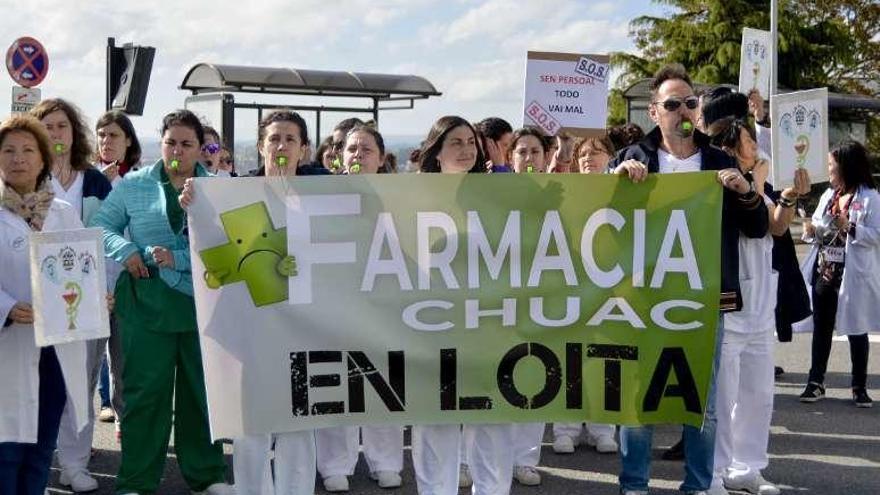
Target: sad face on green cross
point(256, 254)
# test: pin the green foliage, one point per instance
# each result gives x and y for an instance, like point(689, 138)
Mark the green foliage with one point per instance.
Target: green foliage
point(616, 108)
point(833, 43)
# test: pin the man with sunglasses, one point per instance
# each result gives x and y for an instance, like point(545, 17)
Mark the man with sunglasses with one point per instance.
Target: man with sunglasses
point(675, 145)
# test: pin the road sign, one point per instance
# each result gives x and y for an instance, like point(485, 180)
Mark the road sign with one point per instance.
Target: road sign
point(27, 62)
point(23, 99)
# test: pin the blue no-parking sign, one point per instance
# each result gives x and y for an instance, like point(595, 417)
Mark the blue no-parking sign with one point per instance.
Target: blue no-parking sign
point(27, 62)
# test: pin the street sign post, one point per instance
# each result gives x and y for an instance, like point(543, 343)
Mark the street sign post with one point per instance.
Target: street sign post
point(27, 62)
point(23, 99)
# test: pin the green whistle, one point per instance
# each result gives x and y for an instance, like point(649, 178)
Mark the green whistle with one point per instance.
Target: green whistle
point(355, 168)
point(336, 164)
point(281, 161)
point(59, 148)
point(530, 169)
point(175, 164)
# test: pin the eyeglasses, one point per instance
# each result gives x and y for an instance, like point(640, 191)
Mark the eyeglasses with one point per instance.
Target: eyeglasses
point(673, 104)
point(211, 148)
point(226, 160)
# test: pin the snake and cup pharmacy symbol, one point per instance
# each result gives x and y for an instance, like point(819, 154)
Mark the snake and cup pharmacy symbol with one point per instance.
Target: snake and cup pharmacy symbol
point(800, 125)
point(69, 269)
point(756, 54)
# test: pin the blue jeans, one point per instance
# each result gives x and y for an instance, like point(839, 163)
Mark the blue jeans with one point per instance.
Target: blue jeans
point(699, 444)
point(24, 467)
point(104, 382)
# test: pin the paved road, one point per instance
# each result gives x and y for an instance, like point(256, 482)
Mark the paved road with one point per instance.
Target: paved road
point(827, 448)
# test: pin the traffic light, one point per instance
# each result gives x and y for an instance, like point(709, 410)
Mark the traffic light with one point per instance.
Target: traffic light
point(128, 76)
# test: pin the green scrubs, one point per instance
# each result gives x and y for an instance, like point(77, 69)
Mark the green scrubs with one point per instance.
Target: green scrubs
point(162, 379)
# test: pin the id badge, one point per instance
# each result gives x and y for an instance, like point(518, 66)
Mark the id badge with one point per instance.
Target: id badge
point(834, 254)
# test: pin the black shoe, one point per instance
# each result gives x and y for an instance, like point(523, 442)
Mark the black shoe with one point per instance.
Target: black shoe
point(861, 398)
point(778, 371)
point(674, 453)
point(813, 392)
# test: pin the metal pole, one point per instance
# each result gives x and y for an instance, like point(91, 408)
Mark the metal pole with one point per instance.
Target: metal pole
point(774, 39)
point(108, 98)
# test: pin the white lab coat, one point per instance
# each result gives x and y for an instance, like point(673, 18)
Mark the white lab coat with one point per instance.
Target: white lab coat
point(19, 354)
point(858, 303)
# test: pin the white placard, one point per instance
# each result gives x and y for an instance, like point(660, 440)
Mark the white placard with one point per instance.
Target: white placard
point(566, 91)
point(24, 99)
point(756, 57)
point(800, 135)
point(68, 281)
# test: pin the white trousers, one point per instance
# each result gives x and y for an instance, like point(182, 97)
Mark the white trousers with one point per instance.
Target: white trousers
point(75, 447)
point(294, 462)
point(527, 441)
point(744, 402)
point(573, 430)
point(437, 453)
point(338, 447)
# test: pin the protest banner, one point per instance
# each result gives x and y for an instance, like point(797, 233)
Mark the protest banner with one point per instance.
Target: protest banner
point(755, 60)
point(566, 92)
point(800, 135)
point(68, 283)
point(466, 298)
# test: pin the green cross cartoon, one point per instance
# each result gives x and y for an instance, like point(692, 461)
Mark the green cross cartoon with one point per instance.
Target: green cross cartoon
point(255, 254)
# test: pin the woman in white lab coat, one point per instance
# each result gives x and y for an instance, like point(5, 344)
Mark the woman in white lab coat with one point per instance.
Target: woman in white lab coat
point(35, 383)
point(844, 268)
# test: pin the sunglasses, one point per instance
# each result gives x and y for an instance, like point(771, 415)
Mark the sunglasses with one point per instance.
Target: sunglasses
point(673, 104)
point(211, 148)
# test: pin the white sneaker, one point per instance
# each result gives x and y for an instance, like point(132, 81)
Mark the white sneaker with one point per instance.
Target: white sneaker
point(715, 490)
point(752, 483)
point(387, 479)
point(563, 444)
point(78, 481)
point(526, 475)
point(338, 483)
point(605, 444)
point(217, 489)
point(464, 476)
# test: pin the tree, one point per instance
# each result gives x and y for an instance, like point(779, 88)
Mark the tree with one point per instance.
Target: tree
point(834, 43)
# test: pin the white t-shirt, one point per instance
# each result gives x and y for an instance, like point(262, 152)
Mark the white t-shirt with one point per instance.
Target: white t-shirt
point(757, 282)
point(73, 195)
point(670, 164)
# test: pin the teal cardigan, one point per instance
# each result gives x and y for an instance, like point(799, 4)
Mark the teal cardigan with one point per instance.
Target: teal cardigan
point(138, 204)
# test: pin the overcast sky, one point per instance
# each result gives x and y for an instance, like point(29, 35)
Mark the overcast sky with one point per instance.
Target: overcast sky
point(473, 51)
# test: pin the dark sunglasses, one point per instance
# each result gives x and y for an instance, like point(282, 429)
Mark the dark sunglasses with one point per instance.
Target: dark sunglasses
point(673, 104)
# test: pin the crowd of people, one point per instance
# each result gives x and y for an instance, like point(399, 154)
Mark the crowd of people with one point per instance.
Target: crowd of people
point(53, 177)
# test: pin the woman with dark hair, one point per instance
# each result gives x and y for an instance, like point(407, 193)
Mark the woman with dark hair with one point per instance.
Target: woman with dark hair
point(844, 268)
point(745, 373)
point(163, 374)
point(119, 150)
point(451, 148)
point(77, 182)
point(440, 466)
point(282, 144)
point(325, 155)
point(525, 146)
point(35, 382)
point(337, 447)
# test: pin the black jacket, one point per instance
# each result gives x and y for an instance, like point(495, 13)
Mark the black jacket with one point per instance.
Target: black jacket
point(737, 215)
point(792, 299)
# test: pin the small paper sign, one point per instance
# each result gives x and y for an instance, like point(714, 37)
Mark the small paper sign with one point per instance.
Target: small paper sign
point(566, 92)
point(68, 281)
point(755, 59)
point(800, 135)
